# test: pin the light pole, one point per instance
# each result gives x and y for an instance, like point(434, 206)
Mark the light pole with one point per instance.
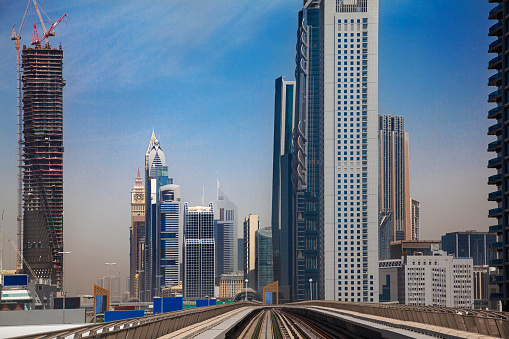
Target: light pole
point(109, 288)
point(139, 292)
point(246, 287)
point(63, 292)
point(311, 288)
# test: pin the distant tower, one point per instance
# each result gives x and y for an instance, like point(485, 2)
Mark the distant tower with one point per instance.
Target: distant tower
point(225, 235)
point(263, 261)
point(43, 150)
point(137, 233)
point(394, 187)
point(251, 225)
point(198, 251)
point(416, 220)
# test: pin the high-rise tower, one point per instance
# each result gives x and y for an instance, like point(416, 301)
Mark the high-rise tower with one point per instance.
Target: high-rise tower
point(349, 147)
point(500, 114)
point(394, 187)
point(306, 157)
point(226, 235)
point(282, 226)
point(43, 160)
point(137, 234)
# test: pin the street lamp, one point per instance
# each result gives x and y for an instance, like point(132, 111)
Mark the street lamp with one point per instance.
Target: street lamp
point(109, 288)
point(311, 288)
point(158, 277)
point(139, 292)
point(246, 287)
point(63, 292)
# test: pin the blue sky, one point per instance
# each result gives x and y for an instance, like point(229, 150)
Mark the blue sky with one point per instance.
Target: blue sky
point(202, 73)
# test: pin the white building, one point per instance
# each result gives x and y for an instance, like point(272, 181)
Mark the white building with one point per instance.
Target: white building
point(439, 280)
point(349, 146)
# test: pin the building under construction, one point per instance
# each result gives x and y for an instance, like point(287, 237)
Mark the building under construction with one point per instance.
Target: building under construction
point(43, 160)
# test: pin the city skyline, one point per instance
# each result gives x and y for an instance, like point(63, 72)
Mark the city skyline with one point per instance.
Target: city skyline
point(102, 148)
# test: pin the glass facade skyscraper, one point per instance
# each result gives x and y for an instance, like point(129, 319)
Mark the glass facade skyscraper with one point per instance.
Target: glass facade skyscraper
point(225, 235)
point(198, 251)
point(263, 261)
point(349, 147)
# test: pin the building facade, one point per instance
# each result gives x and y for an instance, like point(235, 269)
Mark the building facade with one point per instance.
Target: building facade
point(230, 284)
point(263, 258)
point(137, 234)
point(198, 251)
point(306, 159)
point(416, 219)
point(499, 113)
point(282, 228)
point(226, 235)
point(439, 280)
point(251, 225)
point(169, 229)
point(349, 147)
point(470, 244)
point(43, 191)
point(413, 247)
point(394, 188)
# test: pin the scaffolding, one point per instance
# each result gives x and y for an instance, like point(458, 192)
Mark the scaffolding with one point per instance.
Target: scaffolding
point(43, 160)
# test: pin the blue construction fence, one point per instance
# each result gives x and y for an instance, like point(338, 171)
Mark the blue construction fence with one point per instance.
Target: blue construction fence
point(121, 315)
point(168, 304)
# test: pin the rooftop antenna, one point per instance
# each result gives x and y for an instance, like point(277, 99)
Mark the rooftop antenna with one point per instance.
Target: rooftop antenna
point(203, 197)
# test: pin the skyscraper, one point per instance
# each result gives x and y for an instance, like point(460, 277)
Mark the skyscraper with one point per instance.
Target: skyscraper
point(43, 150)
point(306, 158)
point(394, 187)
point(137, 233)
point(416, 220)
point(470, 244)
point(169, 225)
point(226, 235)
point(282, 227)
point(349, 147)
point(251, 225)
point(500, 98)
point(263, 258)
point(198, 251)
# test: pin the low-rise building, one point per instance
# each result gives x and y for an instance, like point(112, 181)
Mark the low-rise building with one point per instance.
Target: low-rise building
point(230, 284)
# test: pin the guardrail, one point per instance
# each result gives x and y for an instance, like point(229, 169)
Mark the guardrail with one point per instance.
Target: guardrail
point(145, 327)
point(490, 323)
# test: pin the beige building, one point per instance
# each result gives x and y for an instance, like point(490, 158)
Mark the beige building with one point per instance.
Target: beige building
point(230, 284)
point(251, 225)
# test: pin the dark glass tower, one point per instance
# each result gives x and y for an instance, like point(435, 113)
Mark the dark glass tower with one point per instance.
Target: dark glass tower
point(500, 114)
point(43, 160)
point(306, 155)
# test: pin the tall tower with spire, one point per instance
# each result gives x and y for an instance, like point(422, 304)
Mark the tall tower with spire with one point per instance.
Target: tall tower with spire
point(137, 234)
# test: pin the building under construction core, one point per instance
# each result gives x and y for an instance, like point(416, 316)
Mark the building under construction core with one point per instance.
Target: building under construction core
point(43, 160)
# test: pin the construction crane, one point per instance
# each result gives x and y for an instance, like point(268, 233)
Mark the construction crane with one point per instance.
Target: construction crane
point(16, 37)
point(26, 262)
point(49, 32)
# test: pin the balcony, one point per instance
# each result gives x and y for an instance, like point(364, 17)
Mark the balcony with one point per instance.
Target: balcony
point(495, 46)
point(497, 245)
point(494, 196)
point(494, 163)
point(495, 129)
point(495, 80)
point(496, 228)
point(495, 212)
point(495, 113)
point(495, 179)
point(495, 96)
point(495, 146)
point(497, 296)
point(496, 278)
point(496, 29)
point(496, 262)
point(496, 12)
point(495, 63)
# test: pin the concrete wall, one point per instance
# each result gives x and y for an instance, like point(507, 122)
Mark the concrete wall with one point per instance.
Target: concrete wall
point(41, 317)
